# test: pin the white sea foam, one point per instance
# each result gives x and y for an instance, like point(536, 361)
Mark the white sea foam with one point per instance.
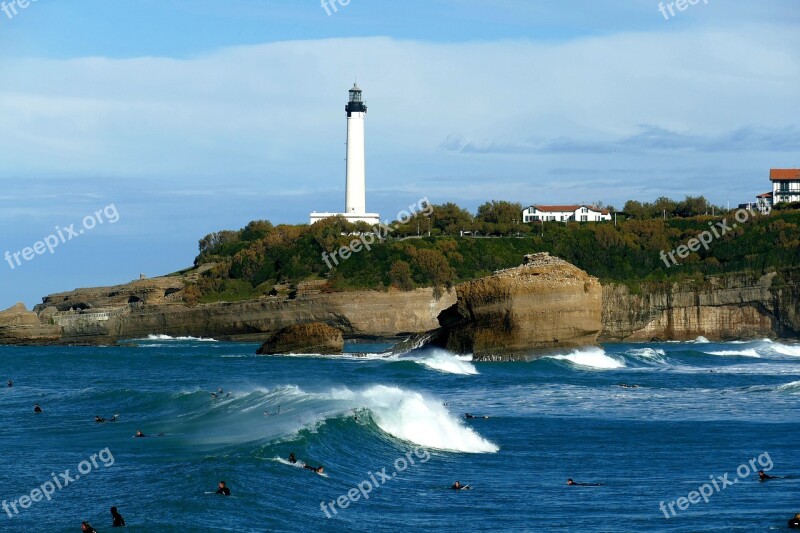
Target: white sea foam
point(700, 340)
point(794, 386)
point(747, 352)
point(448, 363)
point(410, 416)
point(647, 353)
point(590, 357)
point(785, 349)
point(161, 337)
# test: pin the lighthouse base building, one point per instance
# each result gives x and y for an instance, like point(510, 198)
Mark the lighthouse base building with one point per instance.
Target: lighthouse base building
point(355, 204)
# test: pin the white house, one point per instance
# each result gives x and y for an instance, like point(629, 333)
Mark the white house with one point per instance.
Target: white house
point(764, 203)
point(785, 185)
point(564, 213)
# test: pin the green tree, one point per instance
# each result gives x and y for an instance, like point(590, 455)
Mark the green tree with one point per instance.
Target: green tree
point(400, 276)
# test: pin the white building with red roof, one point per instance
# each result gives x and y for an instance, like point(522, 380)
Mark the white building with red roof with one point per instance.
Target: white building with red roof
point(785, 185)
point(564, 213)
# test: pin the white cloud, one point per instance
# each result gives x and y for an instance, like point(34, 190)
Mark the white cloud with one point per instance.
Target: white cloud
point(271, 117)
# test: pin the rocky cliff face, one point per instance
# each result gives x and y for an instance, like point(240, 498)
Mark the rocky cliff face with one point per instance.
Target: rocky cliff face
point(735, 306)
point(544, 304)
point(104, 315)
point(20, 326)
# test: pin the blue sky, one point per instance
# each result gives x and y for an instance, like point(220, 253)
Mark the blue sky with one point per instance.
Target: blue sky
point(193, 116)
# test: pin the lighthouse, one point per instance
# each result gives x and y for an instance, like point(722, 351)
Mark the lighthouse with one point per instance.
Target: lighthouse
point(355, 202)
point(356, 194)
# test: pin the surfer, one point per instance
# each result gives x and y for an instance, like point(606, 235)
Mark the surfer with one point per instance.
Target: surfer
point(626, 386)
point(223, 490)
point(99, 419)
point(10, 383)
point(139, 434)
point(318, 469)
point(575, 484)
point(794, 523)
point(118, 520)
point(763, 477)
point(36, 408)
point(87, 528)
point(292, 458)
point(470, 416)
point(213, 395)
point(458, 486)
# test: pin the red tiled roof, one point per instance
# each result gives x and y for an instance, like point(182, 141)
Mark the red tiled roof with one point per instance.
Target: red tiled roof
point(556, 208)
point(782, 174)
point(765, 195)
point(565, 208)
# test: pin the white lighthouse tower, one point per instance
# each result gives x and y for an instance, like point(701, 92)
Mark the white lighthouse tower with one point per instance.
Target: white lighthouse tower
point(355, 204)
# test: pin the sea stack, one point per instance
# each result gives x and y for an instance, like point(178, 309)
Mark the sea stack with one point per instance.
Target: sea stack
point(542, 305)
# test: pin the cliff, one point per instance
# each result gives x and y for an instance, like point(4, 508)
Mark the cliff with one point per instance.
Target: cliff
point(104, 315)
point(735, 306)
point(542, 305)
point(20, 326)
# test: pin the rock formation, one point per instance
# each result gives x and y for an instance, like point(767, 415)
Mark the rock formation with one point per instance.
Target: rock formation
point(310, 338)
point(734, 306)
point(20, 326)
point(542, 305)
point(105, 315)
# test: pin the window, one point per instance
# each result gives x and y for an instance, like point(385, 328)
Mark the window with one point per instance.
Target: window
point(584, 218)
point(584, 210)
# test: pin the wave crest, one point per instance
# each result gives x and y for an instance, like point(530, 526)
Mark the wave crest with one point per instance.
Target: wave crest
point(591, 358)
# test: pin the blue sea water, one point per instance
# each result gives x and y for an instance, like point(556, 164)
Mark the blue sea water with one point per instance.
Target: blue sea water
point(700, 410)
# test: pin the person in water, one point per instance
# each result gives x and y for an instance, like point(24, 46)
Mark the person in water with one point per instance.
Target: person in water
point(10, 383)
point(118, 520)
point(36, 408)
point(575, 484)
point(139, 434)
point(794, 523)
point(458, 486)
point(318, 469)
point(213, 395)
point(763, 476)
point(223, 490)
point(99, 419)
point(292, 458)
point(470, 416)
point(87, 528)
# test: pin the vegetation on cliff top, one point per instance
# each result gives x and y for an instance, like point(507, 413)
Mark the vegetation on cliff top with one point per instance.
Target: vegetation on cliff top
point(251, 261)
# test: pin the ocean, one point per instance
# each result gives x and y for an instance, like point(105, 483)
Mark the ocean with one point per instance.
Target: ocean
point(392, 436)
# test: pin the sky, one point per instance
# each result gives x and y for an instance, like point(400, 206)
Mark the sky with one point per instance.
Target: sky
point(186, 117)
